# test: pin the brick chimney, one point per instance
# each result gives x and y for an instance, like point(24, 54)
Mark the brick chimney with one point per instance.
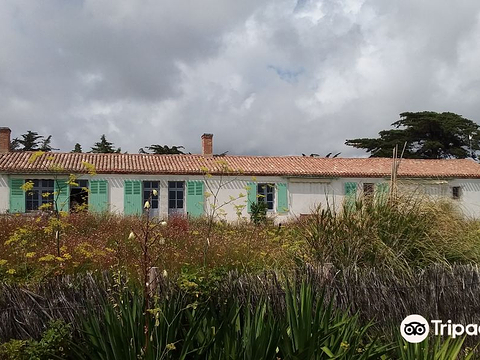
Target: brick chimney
point(207, 144)
point(5, 139)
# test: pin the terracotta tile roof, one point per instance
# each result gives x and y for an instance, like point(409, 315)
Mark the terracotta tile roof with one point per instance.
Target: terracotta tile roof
point(19, 162)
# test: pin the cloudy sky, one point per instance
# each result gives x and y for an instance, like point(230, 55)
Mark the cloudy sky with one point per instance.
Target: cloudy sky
point(266, 77)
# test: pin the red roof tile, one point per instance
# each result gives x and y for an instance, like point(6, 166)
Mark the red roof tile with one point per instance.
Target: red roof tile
point(19, 162)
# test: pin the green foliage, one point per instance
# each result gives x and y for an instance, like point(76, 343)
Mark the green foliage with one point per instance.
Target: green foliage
point(159, 149)
point(45, 144)
point(239, 332)
point(13, 350)
point(200, 282)
point(315, 330)
point(104, 337)
point(104, 146)
point(179, 328)
point(258, 214)
point(77, 148)
point(429, 135)
point(54, 343)
point(408, 234)
point(431, 350)
point(31, 141)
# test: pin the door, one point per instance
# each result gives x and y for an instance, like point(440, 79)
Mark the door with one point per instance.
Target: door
point(176, 196)
point(149, 188)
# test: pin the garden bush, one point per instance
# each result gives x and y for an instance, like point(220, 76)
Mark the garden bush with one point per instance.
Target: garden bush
point(55, 343)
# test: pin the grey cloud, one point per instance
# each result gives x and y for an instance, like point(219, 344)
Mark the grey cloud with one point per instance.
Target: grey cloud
point(270, 77)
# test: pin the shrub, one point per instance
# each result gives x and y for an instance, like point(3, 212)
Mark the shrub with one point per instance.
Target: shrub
point(55, 342)
point(258, 212)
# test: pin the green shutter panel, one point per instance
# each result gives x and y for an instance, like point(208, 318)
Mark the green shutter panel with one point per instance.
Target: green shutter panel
point(282, 198)
point(62, 194)
point(17, 196)
point(382, 188)
point(132, 197)
point(98, 197)
point(350, 194)
point(350, 189)
point(195, 198)
point(381, 192)
point(251, 195)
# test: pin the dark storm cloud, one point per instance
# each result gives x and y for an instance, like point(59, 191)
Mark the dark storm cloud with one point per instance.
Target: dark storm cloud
point(270, 77)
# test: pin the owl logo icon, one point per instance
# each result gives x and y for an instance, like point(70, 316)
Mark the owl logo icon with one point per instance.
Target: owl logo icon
point(414, 328)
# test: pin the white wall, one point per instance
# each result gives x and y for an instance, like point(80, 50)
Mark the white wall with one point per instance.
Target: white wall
point(223, 189)
point(4, 194)
point(308, 193)
point(303, 194)
point(469, 200)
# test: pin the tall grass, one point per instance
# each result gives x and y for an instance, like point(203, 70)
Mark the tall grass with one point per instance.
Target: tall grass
point(402, 235)
point(432, 349)
point(412, 232)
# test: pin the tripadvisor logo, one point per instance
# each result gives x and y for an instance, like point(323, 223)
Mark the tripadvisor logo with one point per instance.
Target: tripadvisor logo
point(414, 328)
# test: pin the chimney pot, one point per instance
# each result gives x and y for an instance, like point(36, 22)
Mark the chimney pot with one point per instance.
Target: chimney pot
point(5, 139)
point(207, 144)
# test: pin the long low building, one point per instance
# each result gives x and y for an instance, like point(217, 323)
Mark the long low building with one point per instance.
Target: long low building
point(196, 185)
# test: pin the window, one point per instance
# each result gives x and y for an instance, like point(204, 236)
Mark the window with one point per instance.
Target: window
point(368, 189)
point(79, 194)
point(265, 193)
point(40, 194)
point(148, 187)
point(175, 194)
point(456, 192)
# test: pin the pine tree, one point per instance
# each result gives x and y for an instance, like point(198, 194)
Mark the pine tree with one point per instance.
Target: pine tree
point(104, 147)
point(15, 145)
point(30, 141)
point(427, 135)
point(77, 149)
point(45, 144)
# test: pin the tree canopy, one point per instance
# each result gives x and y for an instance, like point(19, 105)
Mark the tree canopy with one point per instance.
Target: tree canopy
point(104, 146)
point(159, 149)
point(428, 135)
point(45, 144)
point(32, 141)
point(77, 148)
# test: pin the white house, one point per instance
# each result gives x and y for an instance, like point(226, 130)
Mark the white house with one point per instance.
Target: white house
point(188, 184)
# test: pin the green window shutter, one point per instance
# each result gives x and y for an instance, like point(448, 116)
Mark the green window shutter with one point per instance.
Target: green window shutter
point(98, 197)
point(382, 188)
point(62, 194)
point(350, 194)
point(195, 198)
point(282, 198)
point(133, 197)
point(381, 191)
point(17, 196)
point(350, 189)
point(251, 195)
